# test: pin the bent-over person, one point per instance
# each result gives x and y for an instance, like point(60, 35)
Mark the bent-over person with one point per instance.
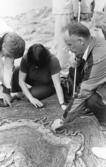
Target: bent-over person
point(40, 69)
point(12, 46)
point(91, 52)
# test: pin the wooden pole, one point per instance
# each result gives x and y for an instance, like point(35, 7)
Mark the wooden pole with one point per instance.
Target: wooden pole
point(75, 72)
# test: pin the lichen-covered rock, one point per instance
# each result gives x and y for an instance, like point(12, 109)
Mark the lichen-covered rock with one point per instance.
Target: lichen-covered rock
point(25, 143)
point(13, 156)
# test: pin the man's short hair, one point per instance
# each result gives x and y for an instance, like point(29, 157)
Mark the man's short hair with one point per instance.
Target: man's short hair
point(79, 30)
point(12, 45)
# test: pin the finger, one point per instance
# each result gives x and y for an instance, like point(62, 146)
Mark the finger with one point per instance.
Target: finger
point(6, 102)
point(9, 103)
point(40, 104)
point(35, 106)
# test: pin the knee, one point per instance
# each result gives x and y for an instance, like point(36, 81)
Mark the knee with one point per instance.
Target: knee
point(95, 104)
point(92, 101)
point(41, 91)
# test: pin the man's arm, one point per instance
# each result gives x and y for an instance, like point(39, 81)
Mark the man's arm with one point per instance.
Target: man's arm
point(77, 106)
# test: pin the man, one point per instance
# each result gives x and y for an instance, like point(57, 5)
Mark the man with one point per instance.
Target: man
point(91, 52)
point(12, 46)
point(66, 12)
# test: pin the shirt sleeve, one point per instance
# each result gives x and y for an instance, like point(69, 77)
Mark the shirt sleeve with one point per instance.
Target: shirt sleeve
point(54, 65)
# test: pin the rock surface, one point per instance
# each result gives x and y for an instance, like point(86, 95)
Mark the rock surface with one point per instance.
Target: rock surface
point(26, 139)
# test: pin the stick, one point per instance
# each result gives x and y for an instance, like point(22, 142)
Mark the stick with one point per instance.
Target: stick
point(75, 77)
point(75, 73)
point(79, 10)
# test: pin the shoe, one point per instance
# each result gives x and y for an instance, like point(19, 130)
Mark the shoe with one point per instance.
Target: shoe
point(99, 152)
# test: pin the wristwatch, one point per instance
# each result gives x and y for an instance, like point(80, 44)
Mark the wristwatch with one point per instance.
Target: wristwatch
point(62, 104)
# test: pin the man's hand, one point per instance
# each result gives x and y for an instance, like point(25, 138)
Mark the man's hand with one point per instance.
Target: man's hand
point(76, 62)
point(73, 61)
point(36, 102)
point(7, 99)
point(56, 124)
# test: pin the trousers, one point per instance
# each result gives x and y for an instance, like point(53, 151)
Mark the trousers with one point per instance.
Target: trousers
point(96, 105)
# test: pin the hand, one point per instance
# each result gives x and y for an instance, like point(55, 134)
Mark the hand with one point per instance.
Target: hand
point(36, 102)
point(63, 106)
point(76, 63)
point(7, 99)
point(73, 63)
point(56, 124)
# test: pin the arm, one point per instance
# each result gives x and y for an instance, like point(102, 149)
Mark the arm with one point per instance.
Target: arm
point(77, 106)
point(8, 69)
point(58, 88)
point(23, 85)
point(7, 75)
point(72, 114)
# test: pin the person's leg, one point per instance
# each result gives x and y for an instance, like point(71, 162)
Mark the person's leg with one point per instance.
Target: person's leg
point(95, 104)
point(38, 91)
point(42, 91)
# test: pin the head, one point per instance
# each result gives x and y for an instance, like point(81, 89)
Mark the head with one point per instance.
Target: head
point(77, 37)
point(12, 45)
point(38, 55)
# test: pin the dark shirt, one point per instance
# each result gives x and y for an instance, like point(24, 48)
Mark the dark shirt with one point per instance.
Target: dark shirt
point(40, 75)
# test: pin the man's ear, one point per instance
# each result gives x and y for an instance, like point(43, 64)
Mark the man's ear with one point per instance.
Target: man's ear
point(81, 40)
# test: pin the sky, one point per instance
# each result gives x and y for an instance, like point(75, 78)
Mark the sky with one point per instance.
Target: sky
point(15, 7)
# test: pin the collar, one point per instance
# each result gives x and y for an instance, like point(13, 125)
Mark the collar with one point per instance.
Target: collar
point(90, 47)
point(85, 56)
